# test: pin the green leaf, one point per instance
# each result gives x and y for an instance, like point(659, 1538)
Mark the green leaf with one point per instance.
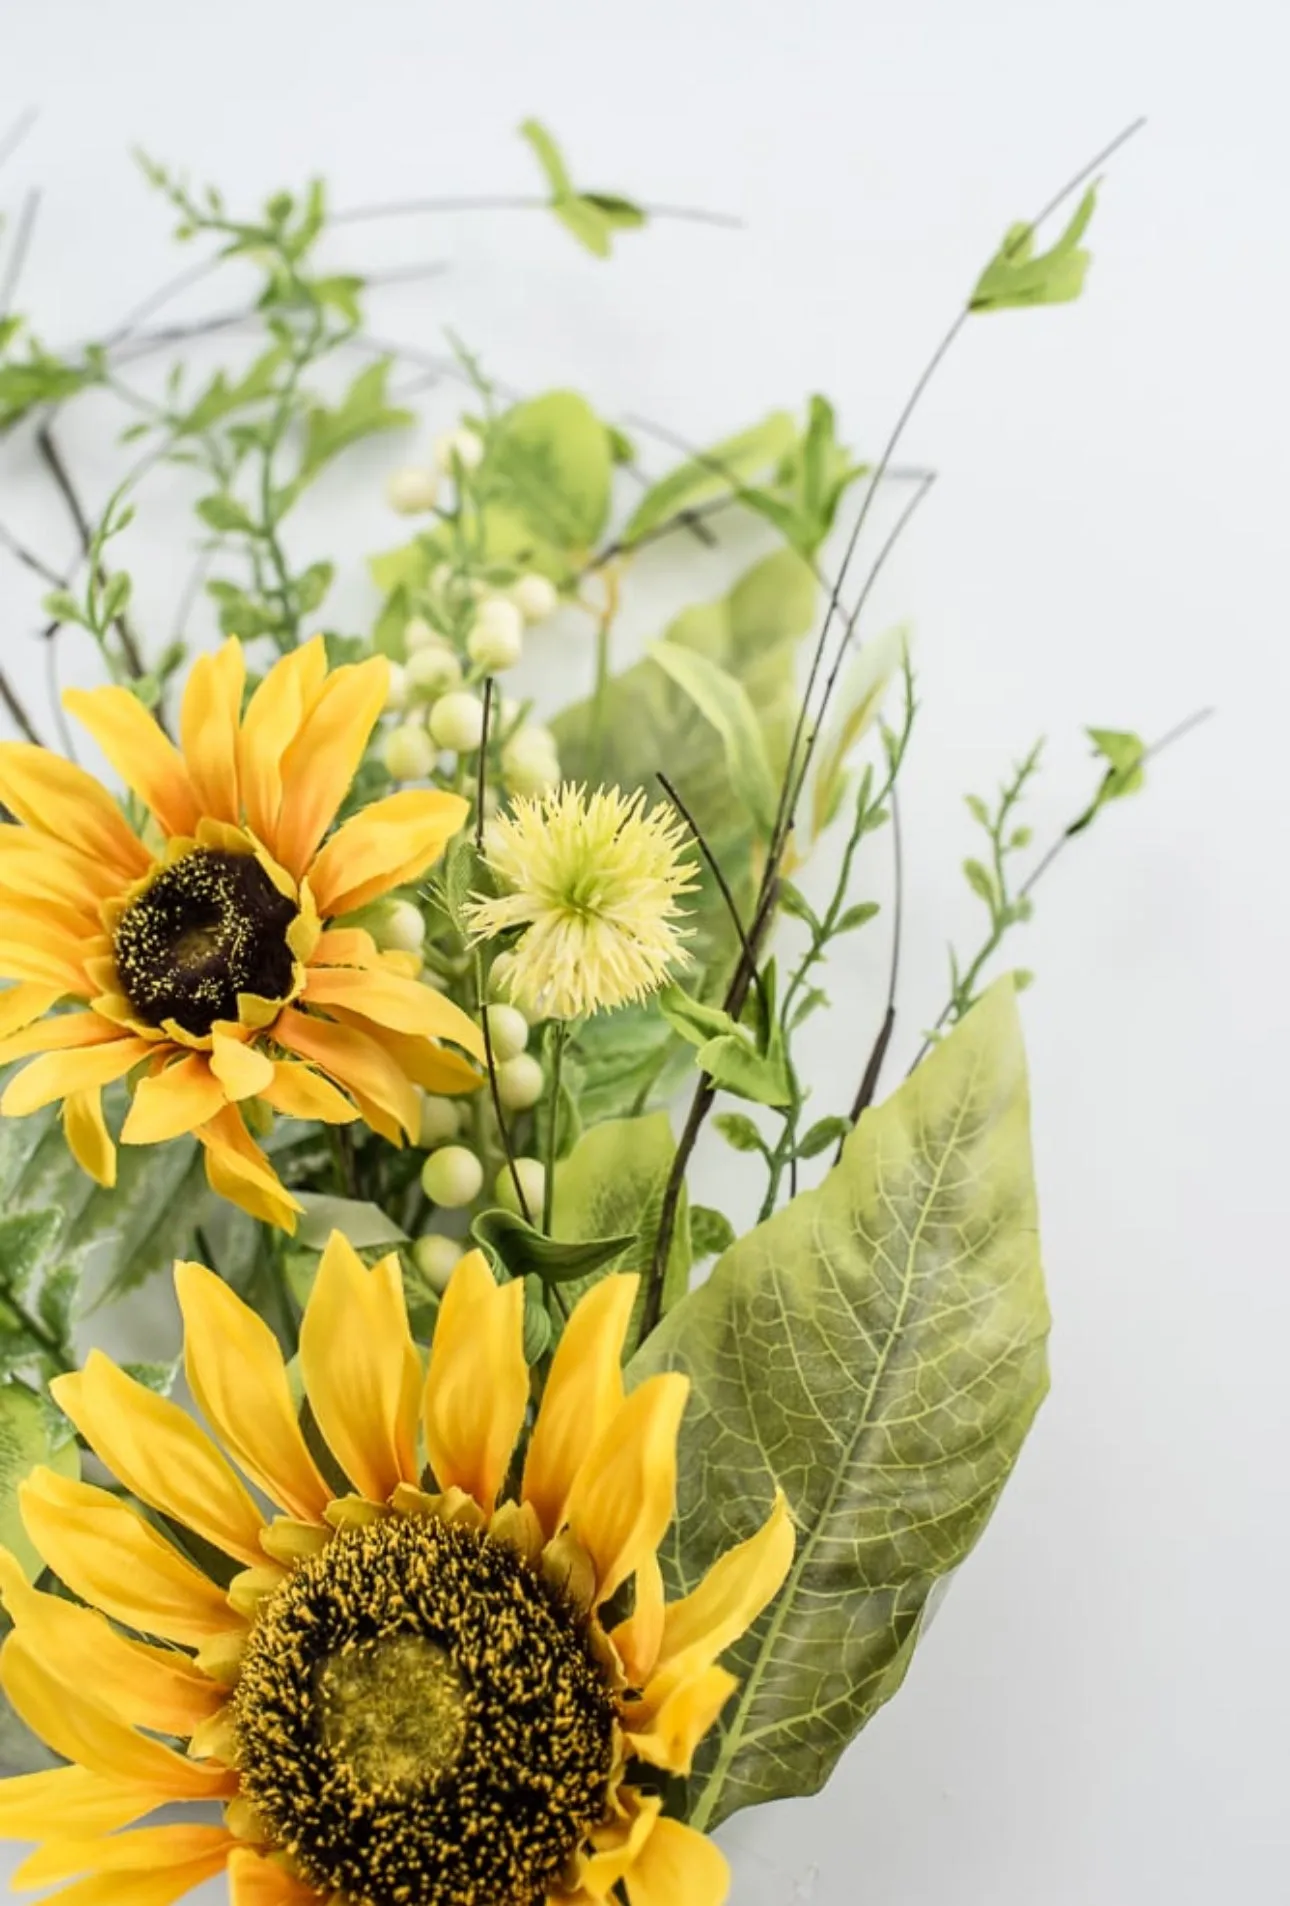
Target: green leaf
point(220, 398)
point(223, 513)
point(549, 157)
point(362, 412)
point(723, 701)
point(901, 1310)
point(695, 1022)
point(592, 217)
point(523, 1251)
point(28, 1437)
point(365, 1225)
point(857, 916)
point(722, 470)
point(795, 903)
point(549, 461)
point(612, 1183)
point(865, 689)
point(1125, 754)
point(981, 881)
point(739, 1132)
point(27, 1242)
point(711, 1232)
point(733, 1063)
point(157, 1377)
point(631, 1062)
point(825, 1132)
point(1016, 276)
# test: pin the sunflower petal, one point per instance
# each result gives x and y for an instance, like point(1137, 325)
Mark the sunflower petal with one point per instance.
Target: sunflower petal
point(678, 1866)
point(297, 1091)
point(236, 1373)
point(257, 1881)
point(159, 1848)
point(433, 1067)
point(173, 1102)
point(146, 760)
point(59, 1074)
point(160, 1886)
point(273, 718)
point(109, 1556)
point(361, 1370)
point(238, 1170)
point(20, 1005)
point(39, 868)
point(583, 1391)
point(618, 1845)
point(63, 802)
point(63, 1032)
point(324, 757)
point(87, 1135)
point(208, 728)
point(669, 1736)
point(156, 1688)
point(639, 1638)
point(625, 1493)
point(81, 1730)
point(156, 1449)
point(242, 1070)
point(388, 844)
point(699, 1629)
point(359, 1064)
point(404, 1005)
point(477, 1389)
point(37, 1806)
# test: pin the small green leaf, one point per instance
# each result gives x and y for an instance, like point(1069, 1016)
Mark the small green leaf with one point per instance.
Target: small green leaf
point(733, 1064)
point(362, 412)
point(857, 916)
point(739, 1132)
point(1016, 276)
point(523, 1251)
point(695, 1022)
point(711, 1232)
point(549, 157)
point(794, 902)
point(160, 1378)
point(365, 1225)
point(613, 1182)
point(724, 469)
point(224, 513)
point(825, 1132)
point(62, 606)
point(27, 1439)
point(981, 881)
point(538, 1330)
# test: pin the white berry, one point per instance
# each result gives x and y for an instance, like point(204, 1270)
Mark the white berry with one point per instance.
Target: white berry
point(519, 1082)
point(532, 1176)
point(465, 447)
point(398, 926)
point(437, 1257)
point(396, 694)
point(412, 492)
point(408, 753)
point(529, 761)
point(508, 1031)
point(438, 1121)
point(452, 1177)
point(432, 672)
point(457, 722)
point(420, 634)
point(496, 639)
point(535, 597)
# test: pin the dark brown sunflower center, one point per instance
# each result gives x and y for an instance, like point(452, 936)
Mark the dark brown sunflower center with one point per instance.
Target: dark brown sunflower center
point(208, 928)
point(421, 1720)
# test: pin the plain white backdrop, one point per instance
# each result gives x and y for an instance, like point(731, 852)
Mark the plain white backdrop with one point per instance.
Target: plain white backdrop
point(1099, 1712)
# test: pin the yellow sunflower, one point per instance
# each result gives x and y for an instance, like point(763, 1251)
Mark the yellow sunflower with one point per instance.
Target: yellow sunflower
point(202, 958)
point(406, 1686)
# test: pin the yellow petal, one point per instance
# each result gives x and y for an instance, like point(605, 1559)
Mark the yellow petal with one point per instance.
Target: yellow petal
point(62, 801)
point(173, 1102)
point(678, 1867)
point(238, 1170)
point(297, 1091)
point(208, 724)
point(241, 1068)
point(360, 1065)
point(156, 1449)
point(583, 1391)
point(618, 1845)
point(625, 1493)
point(159, 1886)
point(639, 1638)
point(109, 1556)
point(404, 1005)
point(697, 1630)
point(346, 946)
point(256, 1881)
point(33, 865)
point(149, 764)
point(388, 844)
point(87, 1135)
point(433, 1067)
point(477, 1389)
point(19, 1005)
point(361, 1369)
point(325, 755)
point(39, 1806)
point(273, 718)
point(236, 1373)
point(59, 1074)
point(156, 1688)
point(669, 1736)
point(64, 1032)
point(78, 1728)
point(148, 1849)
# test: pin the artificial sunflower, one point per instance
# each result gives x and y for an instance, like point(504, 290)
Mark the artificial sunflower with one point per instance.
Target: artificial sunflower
point(594, 880)
point(203, 957)
point(406, 1687)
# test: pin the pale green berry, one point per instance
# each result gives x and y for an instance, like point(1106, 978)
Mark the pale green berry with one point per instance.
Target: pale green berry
point(396, 695)
point(432, 672)
point(535, 597)
point(438, 1121)
point(452, 1176)
point(397, 926)
point(499, 975)
point(529, 761)
point(532, 1177)
point(437, 1257)
point(496, 639)
point(457, 722)
point(508, 1031)
point(465, 447)
point(408, 753)
point(412, 492)
point(420, 634)
point(519, 1082)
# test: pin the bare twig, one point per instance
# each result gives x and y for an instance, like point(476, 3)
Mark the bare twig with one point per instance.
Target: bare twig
point(22, 720)
point(29, 559)
point(723, 885)
point(873, 1069)
point(18, 252)
point(53, 460)
point(500, 202)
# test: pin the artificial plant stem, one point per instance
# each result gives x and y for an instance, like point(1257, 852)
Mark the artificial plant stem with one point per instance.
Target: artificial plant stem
point(600, 692)
point(490, 1062)
point(559, 1039)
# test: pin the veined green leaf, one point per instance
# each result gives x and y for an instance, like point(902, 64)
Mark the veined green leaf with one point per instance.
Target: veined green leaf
point(723, 701)
point(611, 1185)
point(524, 1251)
point(877, 1350)
point(1016, 276)
point(724, 468)
point(549, 461)
point(27, 1439)
point(869, 678)
point(365, 1225)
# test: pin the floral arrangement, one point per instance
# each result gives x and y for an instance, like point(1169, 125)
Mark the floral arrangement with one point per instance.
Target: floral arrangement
point(512, 1517)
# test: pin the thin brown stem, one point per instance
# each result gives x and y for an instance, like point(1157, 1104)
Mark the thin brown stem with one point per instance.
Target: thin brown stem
point(9, 696)
point(53, 460)
point(723, 885)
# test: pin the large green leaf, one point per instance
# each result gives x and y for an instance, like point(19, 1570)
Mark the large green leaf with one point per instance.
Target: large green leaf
point(611, 1185)
point(877, 1350)
point(549, 461)
point(722, 470)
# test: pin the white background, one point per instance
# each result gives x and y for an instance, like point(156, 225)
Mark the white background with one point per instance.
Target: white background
point(1099, 1714)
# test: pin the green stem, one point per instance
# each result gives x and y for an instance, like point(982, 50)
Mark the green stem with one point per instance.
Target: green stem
point(600, 690)
point(559, 1039)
